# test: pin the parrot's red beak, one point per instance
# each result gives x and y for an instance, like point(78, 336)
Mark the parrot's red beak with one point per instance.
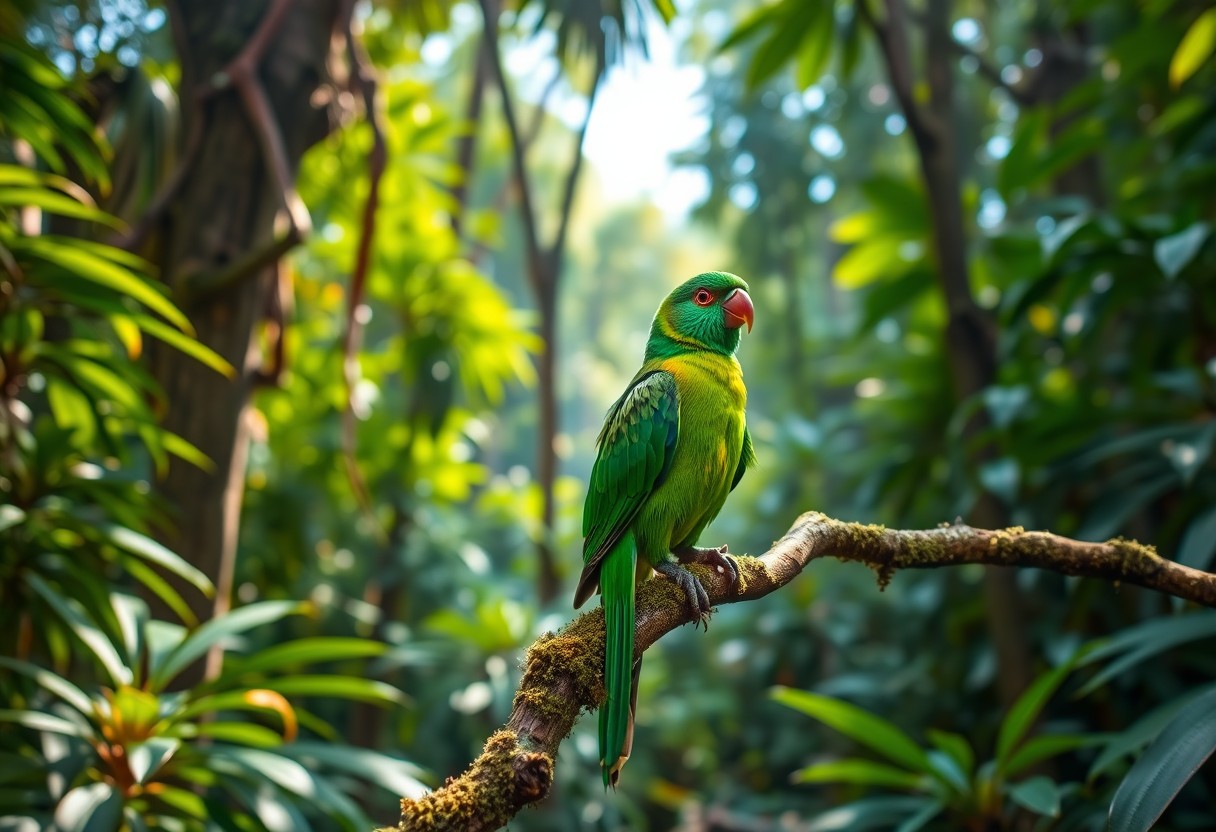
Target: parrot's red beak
point(739, 310)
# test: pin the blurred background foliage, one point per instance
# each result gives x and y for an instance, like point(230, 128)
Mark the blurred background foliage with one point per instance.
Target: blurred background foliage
point(385, 587)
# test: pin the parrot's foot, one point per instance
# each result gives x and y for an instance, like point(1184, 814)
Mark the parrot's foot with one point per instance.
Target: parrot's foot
point(718, 559)
point(698, 598)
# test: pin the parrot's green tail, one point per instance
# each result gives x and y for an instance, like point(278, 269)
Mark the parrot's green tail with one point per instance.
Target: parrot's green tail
point(617, 576)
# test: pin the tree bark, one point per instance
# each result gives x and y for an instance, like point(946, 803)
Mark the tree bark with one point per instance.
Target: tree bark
point(222, 220)
point(563, 673)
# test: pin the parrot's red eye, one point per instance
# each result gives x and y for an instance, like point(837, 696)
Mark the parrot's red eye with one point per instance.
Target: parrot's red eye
point(702, 298)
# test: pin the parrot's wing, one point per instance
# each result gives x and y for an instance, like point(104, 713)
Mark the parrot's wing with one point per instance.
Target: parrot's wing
point(636, 447)
point(747, 458)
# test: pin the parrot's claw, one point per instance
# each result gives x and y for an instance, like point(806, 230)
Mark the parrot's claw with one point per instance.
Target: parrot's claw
point(717, 558)
point(698, 598)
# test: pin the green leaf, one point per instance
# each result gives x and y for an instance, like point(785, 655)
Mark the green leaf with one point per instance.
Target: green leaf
point(161, 588)
point(859, 772)
point(865, 728)
point(1198, 543)
point(241, 733)
point(183, 450)
point(102, 270)
point(947, 770)
point(39, 721)
point(918, 820)
point(956, 746)
point(217, 630)
point(340, 687)
point(398, 776)
point(70, 610)
point(57, 203)
point(749, 27)
point(1025, 711)
point(52, 682)
point(1166, 766)
point(1144, 641)
point(1041, 748)
point(1139, 734)
point(878, 813)
point(666, 9)
point(185, 344)
point(150, 550)
point(816, 48)
point(304, 651)
point(95, 807)
point(147, 757)
point(1195, 48)
point(1040, 795)
point(285, 773)
point(1174, 253)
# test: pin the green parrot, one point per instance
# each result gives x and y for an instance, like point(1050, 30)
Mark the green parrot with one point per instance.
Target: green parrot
point(671, 449)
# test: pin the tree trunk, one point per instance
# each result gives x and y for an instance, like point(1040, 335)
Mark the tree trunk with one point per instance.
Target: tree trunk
point(224, 211)
point(970, 333)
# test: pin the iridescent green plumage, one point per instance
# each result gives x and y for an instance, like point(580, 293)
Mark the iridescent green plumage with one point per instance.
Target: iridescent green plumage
point(671, 449)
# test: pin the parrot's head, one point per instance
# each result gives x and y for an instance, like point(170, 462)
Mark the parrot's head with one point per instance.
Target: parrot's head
point(706, 312)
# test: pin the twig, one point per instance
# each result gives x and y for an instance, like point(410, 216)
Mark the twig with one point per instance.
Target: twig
point(563, 674)
point(361, 76)
point(241, 74)
point(537, 275)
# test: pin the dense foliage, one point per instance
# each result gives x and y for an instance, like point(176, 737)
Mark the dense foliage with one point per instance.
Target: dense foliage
point(393, 541)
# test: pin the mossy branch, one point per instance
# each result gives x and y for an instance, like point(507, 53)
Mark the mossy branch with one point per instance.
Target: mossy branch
point(563, 672)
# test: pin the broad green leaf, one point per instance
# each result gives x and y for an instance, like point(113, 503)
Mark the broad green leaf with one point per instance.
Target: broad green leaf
point(860, 725)
point(304, 651)
point(1143, 641)
point(1139, 734)
point(52, 682)
point(217, 630)
point(1026, 709)
point(816, 47)
point(400, 777)
point(339, 687)
point(241, 733)
point(750, 27)
point(917, 822)
point(1040, 795)
point(1195, 48)
point(1175, 253)
point(1198, 543)
point(90, 265)
point(859, 772)
point(283, 772)
point(95, 807)
point(53, 202)
point(869, 262)
point(250, 699)
point(147, 757)
point(184, 801)
point(39, 721)
point(73, 615)
point(148, 549)
point(1166, 766)
point(1040, 748)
